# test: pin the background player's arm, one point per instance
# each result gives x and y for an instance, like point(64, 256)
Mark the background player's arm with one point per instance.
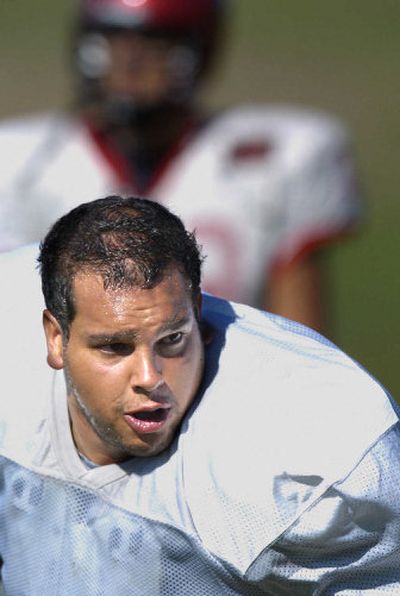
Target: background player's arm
point(322, 205)
point(298, 292)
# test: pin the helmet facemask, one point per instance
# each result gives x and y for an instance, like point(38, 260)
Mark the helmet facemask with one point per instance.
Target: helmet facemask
point(132, 75)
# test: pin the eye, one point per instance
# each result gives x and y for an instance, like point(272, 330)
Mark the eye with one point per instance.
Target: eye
point(117, 349)
point(172, 339)
point(172, 345)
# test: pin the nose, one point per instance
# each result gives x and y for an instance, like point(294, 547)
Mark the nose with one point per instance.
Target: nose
point(146, 373)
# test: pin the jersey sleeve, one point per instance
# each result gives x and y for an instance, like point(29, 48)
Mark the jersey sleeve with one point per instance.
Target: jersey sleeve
point(322, 191)
point(348, 541)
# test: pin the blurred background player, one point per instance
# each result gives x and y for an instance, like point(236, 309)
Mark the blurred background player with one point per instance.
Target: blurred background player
point(264, 187)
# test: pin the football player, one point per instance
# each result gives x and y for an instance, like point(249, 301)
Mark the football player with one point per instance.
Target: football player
point(182, 444)
point(264, 187)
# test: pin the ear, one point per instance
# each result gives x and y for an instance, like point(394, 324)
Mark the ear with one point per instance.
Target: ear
point(54, 340)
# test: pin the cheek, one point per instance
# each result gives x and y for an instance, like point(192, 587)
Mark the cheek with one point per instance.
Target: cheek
point(95, 380)
point(185, 375)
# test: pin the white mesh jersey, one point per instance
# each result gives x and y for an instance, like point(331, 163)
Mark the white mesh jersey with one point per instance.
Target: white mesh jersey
point(284, 479)
point(259, 185)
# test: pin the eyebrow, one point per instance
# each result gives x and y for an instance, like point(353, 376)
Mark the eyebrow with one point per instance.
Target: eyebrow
point(132, 335)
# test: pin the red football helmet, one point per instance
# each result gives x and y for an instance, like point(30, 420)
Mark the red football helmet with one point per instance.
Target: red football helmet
point(195, 24)
point(164, 15)
point(197, 20)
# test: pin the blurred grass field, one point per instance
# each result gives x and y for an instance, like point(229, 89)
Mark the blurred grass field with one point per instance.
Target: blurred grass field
point(342, 57)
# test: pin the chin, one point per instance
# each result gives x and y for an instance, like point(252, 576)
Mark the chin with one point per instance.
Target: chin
point(144, 446)
point(151, 450)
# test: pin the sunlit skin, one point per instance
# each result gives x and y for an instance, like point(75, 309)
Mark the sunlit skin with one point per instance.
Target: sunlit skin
point(133, 361)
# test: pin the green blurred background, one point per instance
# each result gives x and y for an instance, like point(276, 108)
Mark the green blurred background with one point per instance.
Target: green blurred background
point(340, 56)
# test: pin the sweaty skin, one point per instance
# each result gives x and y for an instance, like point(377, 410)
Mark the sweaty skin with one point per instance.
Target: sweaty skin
point(133, 364)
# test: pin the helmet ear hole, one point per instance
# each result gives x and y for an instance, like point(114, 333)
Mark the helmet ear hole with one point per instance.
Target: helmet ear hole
point(184, 65)
point(93, 55)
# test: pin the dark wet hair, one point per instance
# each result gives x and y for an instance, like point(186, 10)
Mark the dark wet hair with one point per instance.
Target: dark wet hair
point(130, 242)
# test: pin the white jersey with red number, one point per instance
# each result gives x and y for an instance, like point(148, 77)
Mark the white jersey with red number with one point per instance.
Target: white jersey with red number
point(260, 186)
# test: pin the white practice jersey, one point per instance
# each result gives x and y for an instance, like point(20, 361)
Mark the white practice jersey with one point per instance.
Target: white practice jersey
point(284, 479)
point(260, 186)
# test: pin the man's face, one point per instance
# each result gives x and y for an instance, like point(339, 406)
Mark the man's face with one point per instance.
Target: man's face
point(133, 364)
point(141, 68)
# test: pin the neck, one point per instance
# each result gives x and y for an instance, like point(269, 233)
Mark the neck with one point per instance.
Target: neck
point(145, 143)
point(152, 135)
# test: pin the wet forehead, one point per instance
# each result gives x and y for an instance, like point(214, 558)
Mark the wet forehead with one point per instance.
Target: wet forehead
point(130, 311)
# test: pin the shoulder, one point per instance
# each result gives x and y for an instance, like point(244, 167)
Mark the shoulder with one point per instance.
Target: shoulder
point(304, 367)
point(288, 142)
point(25, 378)
point(30, 127)
point(18, 269)
point(20, 138)
point(280, 124)
point(286, 415)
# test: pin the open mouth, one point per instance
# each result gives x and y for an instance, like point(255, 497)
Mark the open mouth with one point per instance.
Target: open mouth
point(147, 421)
point(158, 415)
